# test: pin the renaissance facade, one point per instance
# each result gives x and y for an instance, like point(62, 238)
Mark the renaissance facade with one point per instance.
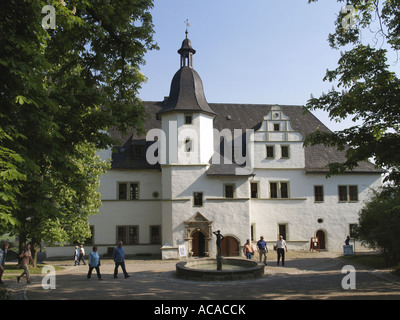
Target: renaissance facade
point(238, 168)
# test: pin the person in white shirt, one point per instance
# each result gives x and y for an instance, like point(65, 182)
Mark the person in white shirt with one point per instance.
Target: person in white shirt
point(81, 255)
point(280, 248)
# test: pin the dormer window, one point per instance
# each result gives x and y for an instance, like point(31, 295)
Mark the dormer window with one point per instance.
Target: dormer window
point(277, 127)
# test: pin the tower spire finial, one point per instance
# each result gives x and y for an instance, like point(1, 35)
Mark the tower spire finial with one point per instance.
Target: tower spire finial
point(187, 26)
point(186, 51)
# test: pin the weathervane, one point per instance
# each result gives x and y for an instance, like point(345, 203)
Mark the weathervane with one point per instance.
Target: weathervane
point(187, 26)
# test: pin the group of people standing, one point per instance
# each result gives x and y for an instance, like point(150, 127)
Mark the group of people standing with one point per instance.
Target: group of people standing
point(262, 249)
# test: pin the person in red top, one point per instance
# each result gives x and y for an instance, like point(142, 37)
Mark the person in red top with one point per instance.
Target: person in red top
point(26, 258)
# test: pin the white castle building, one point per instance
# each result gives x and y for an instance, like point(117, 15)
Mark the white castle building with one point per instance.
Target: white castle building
point(238, 168)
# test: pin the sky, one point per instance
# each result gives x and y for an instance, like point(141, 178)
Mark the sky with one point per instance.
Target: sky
point(248, 51)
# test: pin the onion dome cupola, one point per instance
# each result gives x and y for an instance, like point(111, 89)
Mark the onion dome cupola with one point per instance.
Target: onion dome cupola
point(186, 93)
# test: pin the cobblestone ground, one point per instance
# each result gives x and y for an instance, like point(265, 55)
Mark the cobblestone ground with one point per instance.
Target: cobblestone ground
point(306, 275)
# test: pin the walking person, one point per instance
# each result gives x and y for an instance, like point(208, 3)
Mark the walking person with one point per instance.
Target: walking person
point(280, 248)
point(248, 249)
point(26, 258)
point(81, 255)
point(76, 256)
point(3, 255)
point(262, 249)
point(94, 263)
point(119, 259)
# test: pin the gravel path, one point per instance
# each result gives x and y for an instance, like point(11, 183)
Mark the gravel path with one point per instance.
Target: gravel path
point(306, 275)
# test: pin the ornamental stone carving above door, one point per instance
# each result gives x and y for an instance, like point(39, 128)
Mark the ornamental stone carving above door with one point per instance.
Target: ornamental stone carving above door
point(198, 223)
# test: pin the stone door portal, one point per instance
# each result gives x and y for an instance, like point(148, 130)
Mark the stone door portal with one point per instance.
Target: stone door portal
point(198, 234)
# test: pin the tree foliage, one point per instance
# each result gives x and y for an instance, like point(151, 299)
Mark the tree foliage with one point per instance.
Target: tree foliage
point(379, 223)
point(61, 89)
point(368, 88)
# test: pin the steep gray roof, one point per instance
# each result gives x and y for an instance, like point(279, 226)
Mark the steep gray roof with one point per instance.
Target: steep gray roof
point(241, 116)
point(250, 116)
point(186, 93)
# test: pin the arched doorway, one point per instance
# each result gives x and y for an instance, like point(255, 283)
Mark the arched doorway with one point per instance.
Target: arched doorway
point(229, 246)
point(198, 244)
point(321, 237)
point(198, 233)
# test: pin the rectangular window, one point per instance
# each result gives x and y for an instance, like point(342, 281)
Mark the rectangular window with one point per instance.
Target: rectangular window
point(282, 228)
point(253, 232)
point(122, 191)
point(284, 151)
point(254, 189)
point(353, 193)
point(352, 230)
point(318, 193)
point(284, 190)
point(188, 119)
point(229, 190)
point(155, 234)
point(342, 193)
point(273, 189)
point(134, 191)
point(121, 234)
point(348, 193)
point(133, 235)
point(279, 189)
point(277, 127)
point(270, 152)
point(90, 240)
point(128, 234)
point(197, 199)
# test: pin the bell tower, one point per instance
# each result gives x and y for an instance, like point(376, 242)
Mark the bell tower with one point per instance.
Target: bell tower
point(186, 51)
point(186, 117)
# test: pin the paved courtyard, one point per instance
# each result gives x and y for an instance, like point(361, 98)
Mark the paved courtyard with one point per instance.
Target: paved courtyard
point(306, 275)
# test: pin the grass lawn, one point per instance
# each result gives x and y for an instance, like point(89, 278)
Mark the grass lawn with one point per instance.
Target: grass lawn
point(12, 270)
point(376, 261)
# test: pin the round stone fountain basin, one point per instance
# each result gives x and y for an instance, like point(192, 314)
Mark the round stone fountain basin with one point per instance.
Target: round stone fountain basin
point(232, 269)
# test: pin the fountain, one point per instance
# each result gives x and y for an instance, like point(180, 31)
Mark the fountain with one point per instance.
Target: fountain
point(219, 269)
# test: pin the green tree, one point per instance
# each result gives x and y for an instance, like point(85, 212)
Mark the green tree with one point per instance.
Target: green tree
point(367, 87)
point(379, 223)
point(61, 90)
point(10, 183)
